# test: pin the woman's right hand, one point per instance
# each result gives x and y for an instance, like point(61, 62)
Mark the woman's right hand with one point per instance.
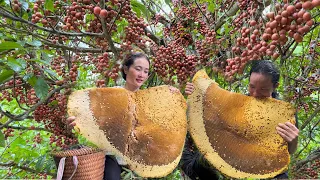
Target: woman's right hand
point(189, 89)
point(70, 122)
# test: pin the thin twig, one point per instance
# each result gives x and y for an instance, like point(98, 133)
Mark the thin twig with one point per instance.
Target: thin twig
point(311, 157)
point(114, 20)
point(306, 122)
point(25, 114)
point(61, 46)
point(15, 165)
point(208, 21)
point(160, 8)
point(29, 128)
point(54, 31)
point(312, 129)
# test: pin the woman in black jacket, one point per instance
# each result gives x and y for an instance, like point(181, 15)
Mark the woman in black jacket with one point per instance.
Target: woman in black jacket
point(263, 81)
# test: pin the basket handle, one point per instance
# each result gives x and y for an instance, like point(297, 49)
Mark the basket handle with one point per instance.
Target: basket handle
point(62, 164)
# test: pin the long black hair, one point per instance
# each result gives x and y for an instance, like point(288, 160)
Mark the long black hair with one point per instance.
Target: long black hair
point(130, 60)
point(267, 67)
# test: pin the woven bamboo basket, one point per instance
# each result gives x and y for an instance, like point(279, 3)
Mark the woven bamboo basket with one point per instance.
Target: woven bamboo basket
point(90, 163)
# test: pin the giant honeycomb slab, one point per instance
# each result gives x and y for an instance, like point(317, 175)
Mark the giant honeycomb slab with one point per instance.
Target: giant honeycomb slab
point(146, 128)
point(237, 133)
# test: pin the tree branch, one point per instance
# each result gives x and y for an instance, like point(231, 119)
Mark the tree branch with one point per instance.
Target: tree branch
point(24, 115)
point(29, 128)
point(208, 22)
point(109, 39)
point(45, 41)
point(114, 20)
point(15, 165)
point(158, 7)
point(54, 31)
point(287, 55)
point(306, 122)
point(233, 10)
point(312, 129)
point(163, 20)
point(311, 157)
point(153, 37)
point(4, 87)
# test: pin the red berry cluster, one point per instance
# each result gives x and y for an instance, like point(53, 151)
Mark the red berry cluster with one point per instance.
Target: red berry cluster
point(16, 91)
point(53, 116)
point(291, 20)
point(102, 65)
point(311, 170)
point(305, 88)
point(31, 97)
point(181, 30)
point(8, 133)
point(40, 15)
point(259, 39)
point(16, 5)
point(135, 29)
point(37, 176)
point(58, 65)
point(74, 19)
point(73, 71)
point(37, 138)
point(208, 47)
point(172, 61)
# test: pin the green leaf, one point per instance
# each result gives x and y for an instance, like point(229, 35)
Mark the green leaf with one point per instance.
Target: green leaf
point(51, 73)
point(40, 61)
point(5, 75)
point(17, 64)
point(35, 43)
point(211, 7)
point(32, 80)
point(49, 5)
point(2, 142)
point(41, 88)
point(53, 103)
point(138, 8)
point(21, 42)
point(7, 45)
point(27, 77)
point(4, 119)
point(25, 5)
point(40, 162)
point(298, 49)
point(89, 17)
point(168, 2)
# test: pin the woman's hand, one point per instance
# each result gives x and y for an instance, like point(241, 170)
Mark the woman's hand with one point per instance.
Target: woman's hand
point(189, 89)
point(289, 132)
point(173, 89)
point(70, 122)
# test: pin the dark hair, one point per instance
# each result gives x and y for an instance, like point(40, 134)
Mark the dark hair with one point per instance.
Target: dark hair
point(266, 67)
point(130, 60)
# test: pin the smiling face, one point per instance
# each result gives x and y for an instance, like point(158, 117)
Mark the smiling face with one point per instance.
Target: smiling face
point(137, 74)
point(261, 86)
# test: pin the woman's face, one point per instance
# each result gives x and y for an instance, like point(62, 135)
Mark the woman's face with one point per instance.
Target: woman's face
point(260, 85)
point(137, 73)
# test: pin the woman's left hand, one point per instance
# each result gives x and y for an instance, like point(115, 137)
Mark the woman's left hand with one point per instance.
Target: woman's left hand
point(288, 131)
point(189, 88)
point(173, 89)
